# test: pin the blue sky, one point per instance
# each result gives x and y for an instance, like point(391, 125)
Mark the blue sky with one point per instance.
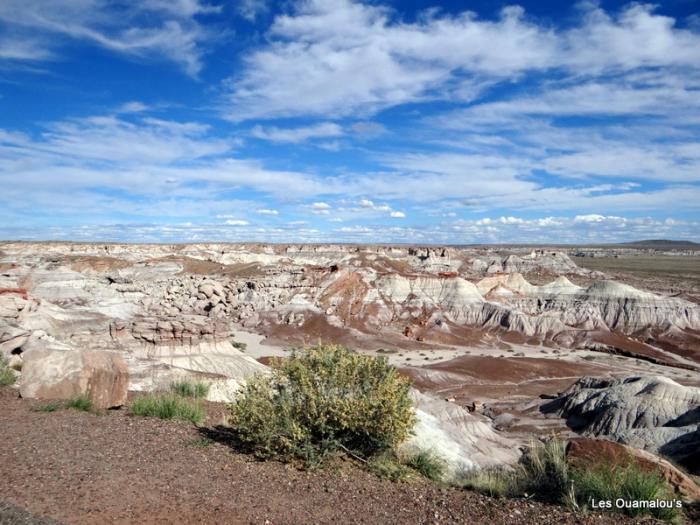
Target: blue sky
point(335, 120)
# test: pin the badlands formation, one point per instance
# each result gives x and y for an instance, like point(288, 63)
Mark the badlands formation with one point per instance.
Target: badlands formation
point(498, 344)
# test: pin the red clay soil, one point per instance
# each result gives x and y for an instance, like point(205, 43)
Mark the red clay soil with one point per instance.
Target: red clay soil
point(81, 468)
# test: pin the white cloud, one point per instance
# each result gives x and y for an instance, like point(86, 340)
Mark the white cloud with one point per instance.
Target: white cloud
point(152, 28)
point(237, 222)
point(397, 214)
point(251, 9)
point(320, 206)
point(296, 135)
point(268, 212)
point(339, 57)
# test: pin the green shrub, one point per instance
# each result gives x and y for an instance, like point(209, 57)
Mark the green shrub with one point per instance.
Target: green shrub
point(187, 388)
point(167, 406)
point(628, 482)
point(322, 400)
point(7, 375)
point(427, 464)
point(81, 402)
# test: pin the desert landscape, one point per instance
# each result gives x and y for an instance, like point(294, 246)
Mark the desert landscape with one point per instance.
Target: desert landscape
point(283, 262)
point(504, 345)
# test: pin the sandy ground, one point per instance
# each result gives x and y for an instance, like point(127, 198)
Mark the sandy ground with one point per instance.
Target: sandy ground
point(258, 347)
point(81, 468)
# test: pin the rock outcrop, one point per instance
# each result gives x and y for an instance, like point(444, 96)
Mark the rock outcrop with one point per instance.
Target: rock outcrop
point(64, 373)
point(651, 413)
point(464, 440)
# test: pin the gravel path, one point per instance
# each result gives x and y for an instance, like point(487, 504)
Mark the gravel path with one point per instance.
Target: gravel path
point(81, 468)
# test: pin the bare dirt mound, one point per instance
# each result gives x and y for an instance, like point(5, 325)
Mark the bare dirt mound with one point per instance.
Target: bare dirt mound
point(82, 468)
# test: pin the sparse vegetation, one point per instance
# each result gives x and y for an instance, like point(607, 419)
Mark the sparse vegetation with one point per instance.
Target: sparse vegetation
point(323, 400)
point(543, 473)
point(167, 405)
point(627, 482)
point(187, 388)
point(82, 402)
point(427, 464)
point(199, 443)
point(7, 375)
point(492, 482)
point(386, 465)
point(48, 407)
point(239, 345)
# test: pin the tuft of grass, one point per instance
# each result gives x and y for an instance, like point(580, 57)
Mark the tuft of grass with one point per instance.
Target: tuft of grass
point(187, 388)
point(497, 483)
point(628, 482)
point(199, 443)
point(387, 466)
point(7, 375)
point(167, 406)
point(48, 407)
point(82, 402)
point(427, 464)
point(544, 472)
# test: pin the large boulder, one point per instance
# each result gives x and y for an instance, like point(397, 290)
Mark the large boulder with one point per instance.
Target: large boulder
point(63, 373)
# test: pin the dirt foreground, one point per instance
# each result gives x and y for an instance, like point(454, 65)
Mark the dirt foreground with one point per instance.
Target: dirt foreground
point(80, 468)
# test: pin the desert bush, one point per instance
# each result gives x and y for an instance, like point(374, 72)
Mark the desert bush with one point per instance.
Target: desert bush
point(187, 388)
point(7, 375)
point(628, 482)
point(82, 402)
point(321, 400)
point(167, 406)
point(427, 464)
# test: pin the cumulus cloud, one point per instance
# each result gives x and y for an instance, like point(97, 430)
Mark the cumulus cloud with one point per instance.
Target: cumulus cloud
point(264, 211)
point(237, 222)
point(341, 57)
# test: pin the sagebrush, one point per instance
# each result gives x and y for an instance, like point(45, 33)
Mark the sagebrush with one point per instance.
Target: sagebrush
point(321, 400)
